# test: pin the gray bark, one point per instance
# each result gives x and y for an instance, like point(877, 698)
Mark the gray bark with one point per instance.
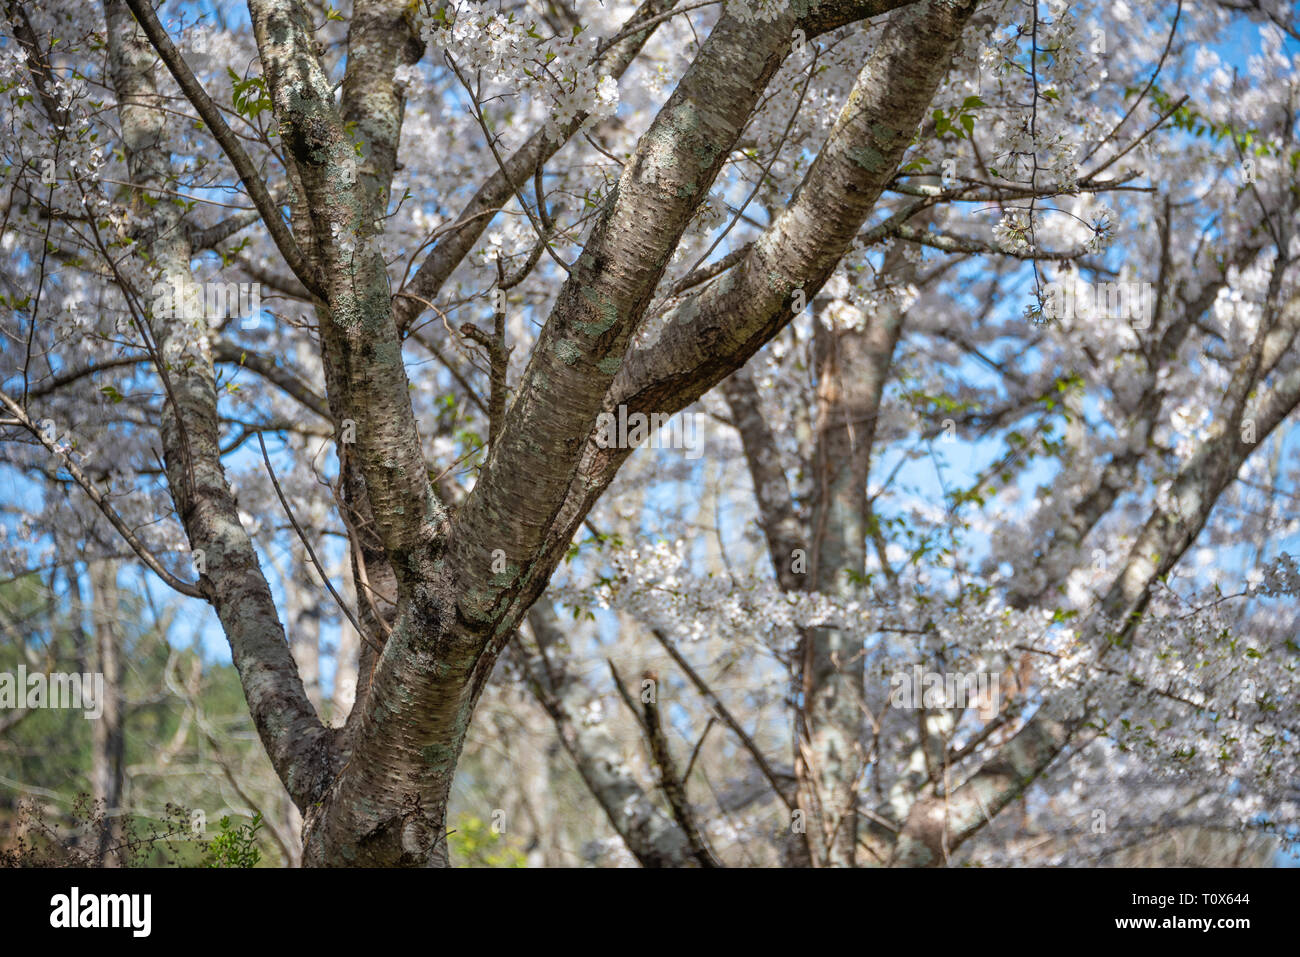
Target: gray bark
point(107, 732)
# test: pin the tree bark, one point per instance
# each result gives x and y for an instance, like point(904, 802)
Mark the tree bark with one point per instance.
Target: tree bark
point(107, 732)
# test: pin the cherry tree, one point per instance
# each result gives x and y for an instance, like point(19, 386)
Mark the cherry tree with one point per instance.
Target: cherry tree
point(851, 236)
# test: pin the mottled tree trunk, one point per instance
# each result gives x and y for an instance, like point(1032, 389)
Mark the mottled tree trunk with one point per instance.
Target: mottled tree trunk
point(852, 367)
point(107, 732)
point(438, 611)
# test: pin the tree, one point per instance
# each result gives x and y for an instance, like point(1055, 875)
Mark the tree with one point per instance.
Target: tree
point(895, 181)
point(141, 769)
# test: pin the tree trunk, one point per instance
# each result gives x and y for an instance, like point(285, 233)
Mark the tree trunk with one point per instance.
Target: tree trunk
point(107, 732)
